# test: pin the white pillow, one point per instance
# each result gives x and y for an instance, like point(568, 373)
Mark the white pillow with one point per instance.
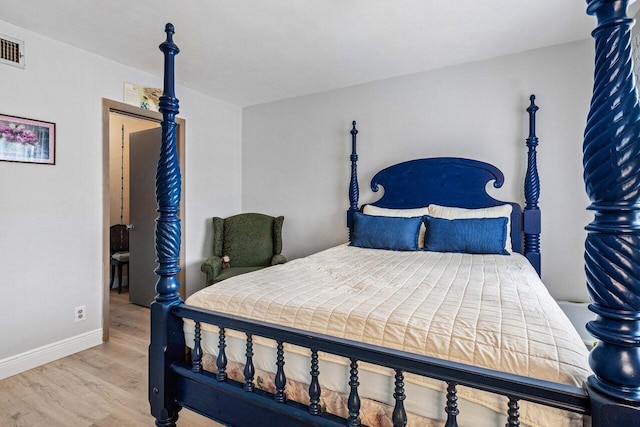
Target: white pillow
point(403, 213)
point(448, 212)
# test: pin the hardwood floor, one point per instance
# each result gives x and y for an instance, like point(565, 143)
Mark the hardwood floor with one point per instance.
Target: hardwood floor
point(104, 386)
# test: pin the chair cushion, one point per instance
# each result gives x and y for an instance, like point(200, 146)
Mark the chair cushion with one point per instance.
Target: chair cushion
point(248, 240)
point(120, 256)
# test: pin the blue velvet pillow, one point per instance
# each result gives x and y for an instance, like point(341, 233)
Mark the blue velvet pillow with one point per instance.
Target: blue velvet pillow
point(469, 235)
point(385, 232)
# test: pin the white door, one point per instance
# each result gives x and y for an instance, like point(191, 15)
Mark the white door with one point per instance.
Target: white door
point(144, 150)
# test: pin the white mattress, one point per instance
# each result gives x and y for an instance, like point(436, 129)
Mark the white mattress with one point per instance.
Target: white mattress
point(484, 310)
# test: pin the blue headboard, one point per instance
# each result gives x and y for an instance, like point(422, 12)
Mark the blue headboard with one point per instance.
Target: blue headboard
point(447, 181)
point(458, 182)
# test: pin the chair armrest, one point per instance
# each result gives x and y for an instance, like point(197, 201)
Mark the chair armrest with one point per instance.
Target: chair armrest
point(278, 259)
point(211, 267)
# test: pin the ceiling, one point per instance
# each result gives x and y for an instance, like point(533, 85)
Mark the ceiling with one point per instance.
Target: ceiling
point(249, 52)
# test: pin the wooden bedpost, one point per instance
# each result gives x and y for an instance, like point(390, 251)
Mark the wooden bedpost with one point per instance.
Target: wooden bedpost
point(612, 250)
point(167, 340)
point(531, 215)
point(354, 191)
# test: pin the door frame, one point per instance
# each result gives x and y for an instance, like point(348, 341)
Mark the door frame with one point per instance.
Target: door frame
point(109, 106)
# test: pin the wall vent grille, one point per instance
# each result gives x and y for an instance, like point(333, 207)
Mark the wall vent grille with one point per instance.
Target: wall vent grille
point(11, 51)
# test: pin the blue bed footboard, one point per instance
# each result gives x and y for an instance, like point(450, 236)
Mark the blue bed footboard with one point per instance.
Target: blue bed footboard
point(612, 259)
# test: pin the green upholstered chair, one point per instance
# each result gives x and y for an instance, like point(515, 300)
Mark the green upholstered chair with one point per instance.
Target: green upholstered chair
point(251, 241)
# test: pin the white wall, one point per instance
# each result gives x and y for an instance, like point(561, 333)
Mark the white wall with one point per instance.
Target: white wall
point(296, 151)
point(51, 216)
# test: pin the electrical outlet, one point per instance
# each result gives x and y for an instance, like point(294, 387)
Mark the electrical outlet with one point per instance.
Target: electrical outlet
point(80, 313)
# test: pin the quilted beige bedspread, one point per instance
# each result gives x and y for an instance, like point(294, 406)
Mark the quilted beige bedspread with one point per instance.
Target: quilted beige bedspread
point(484, 310)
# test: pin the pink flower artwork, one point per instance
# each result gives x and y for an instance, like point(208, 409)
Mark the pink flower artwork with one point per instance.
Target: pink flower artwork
point(27, 140)
point(18, 133)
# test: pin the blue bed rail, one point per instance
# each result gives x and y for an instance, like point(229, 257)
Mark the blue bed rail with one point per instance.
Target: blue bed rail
point(515, 387)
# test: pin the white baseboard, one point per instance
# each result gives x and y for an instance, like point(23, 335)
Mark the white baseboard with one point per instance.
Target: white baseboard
point(48, 353)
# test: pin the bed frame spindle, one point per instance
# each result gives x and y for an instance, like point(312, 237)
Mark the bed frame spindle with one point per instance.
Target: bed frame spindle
point(221, 360)
point(280, 378)
point(612, 179)
point(452, 405)
point(399, 416)
point(167, 338)
point(532, 217)
point(314, 386)
point(353, 402)
point(249, 369)
point(513, 413)
point(196, 354)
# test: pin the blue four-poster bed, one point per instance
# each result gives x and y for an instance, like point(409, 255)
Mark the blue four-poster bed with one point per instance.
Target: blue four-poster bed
point(226, 374)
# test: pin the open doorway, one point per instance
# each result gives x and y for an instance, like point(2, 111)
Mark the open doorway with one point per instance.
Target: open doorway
point(120, 121)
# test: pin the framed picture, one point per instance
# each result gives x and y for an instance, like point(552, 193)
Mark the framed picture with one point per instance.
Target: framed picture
point(27, 141)
point(147, 98)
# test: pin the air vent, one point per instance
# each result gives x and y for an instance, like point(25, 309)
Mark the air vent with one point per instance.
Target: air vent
point(11, 51)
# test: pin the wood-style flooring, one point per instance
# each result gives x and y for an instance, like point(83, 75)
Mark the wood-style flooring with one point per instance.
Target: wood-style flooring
point(104, 386)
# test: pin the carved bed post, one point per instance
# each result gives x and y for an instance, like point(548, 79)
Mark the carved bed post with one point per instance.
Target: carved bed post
point(354, 191)
point(167, 340)
point(612, 250)
point(531, 214)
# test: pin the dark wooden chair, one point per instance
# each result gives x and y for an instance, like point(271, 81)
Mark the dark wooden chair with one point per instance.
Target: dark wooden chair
point(119, 251)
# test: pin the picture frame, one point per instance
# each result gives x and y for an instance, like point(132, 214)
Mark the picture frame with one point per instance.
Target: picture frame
point(147, 98)
point(27, 141)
